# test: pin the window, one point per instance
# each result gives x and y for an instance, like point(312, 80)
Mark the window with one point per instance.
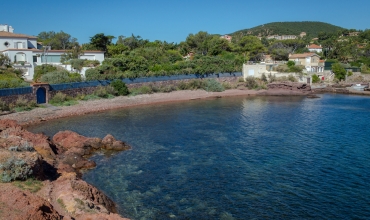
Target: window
point(50, 58)
point(34, 59)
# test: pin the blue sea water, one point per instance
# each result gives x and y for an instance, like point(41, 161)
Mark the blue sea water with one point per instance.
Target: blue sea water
point(235, 158)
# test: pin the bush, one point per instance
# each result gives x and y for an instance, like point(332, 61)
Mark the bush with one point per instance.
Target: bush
point(168, 88)
point(141, 90)
point(42, 70)
point(21, 102)
point(272, 78)
point(195, 84)
point(101, 92)
point(77, 64)
point(227, 85)
point(4, 106)
point(263, 77)
point(290, 63)
point(110, 90)
point(93, 74)
point(292, 78)
point(14, 169)
point(250, 82)
point(212, 85)
point(315, 78)
point(56, 77)
point(120, 87)
point(24, 146)
point(75, 77)
point(58, 98)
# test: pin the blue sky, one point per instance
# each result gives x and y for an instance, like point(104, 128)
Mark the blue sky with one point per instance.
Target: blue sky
point(173, 20)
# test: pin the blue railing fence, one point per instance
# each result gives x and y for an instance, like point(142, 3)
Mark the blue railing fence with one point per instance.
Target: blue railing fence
point(76, 85)
point(15, 91)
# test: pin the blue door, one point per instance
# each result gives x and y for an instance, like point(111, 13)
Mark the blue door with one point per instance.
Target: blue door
point(41, 95)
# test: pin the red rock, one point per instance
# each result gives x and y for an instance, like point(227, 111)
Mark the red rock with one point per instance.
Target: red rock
point(17, 204)
point(110, 143)
point(69, 139)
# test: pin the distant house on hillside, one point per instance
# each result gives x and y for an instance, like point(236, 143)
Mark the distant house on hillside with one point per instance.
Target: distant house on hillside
point(302, 34)
point(314, 48)
point(26, 53)
point(227, 37)
point(311, 61)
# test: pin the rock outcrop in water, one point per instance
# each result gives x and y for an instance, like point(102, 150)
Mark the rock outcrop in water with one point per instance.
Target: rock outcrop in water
point(57, 163)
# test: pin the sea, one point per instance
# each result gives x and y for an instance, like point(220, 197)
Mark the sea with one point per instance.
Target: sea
point(230, 158)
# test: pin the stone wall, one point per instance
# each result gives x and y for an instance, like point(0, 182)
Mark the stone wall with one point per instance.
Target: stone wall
point(12, 99)
point(74, 92)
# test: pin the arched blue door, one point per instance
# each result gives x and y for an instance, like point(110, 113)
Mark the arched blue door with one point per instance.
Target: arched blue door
point(41, 95)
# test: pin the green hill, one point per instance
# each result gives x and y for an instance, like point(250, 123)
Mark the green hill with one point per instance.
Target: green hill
point(312, 28)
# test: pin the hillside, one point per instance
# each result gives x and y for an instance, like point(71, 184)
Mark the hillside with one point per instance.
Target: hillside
point(311, 28)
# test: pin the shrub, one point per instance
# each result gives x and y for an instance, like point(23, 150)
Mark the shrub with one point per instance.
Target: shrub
point(42, 70)
point(3, 106)
point(101, 92)
point(290, 63)
point(21, 102)
point(59, 76)
point(212, 85)
point(315, 78)
point(58, 98)
point(14, 169)
point(182, 85)
point(77, 64)
point(263, 77)
point(272, 78)
point(141, 90)
point(110, 90)
point(24, 146)
point(240, 79)
point(292, 78)
point(227, 85)
point(93, 74)
point(75, 77)
point(195, 84)
point(120, 87)
point(296, 69)
point(168, 88)
point(250, 82)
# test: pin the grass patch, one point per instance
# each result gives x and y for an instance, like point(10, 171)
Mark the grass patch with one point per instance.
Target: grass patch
point(90, 97)
point(30, 184)
point(61, 203)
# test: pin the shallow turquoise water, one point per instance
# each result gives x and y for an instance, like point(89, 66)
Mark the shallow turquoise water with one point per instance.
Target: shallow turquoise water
point(235, 158)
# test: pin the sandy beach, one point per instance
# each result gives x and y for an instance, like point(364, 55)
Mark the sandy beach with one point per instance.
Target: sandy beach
point(84, 107)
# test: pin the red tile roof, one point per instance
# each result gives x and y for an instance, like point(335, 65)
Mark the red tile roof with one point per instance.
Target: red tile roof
point(314, 46)
point(9, 34)
point(302, 55)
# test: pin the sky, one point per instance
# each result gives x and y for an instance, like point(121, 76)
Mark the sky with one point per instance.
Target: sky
point(173, 20)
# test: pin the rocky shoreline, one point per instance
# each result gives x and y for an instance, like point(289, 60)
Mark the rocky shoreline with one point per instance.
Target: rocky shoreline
point(56, 164)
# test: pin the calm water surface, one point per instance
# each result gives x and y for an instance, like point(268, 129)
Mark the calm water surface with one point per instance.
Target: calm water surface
point(235, 158)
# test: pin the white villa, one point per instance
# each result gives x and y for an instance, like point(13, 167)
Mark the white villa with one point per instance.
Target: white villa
point(25, 53)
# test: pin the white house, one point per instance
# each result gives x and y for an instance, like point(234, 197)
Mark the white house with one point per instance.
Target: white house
point(23, 53)
point(311, 61)
point(315, 48)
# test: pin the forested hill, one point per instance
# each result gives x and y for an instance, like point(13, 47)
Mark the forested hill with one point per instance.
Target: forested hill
point(311, 28)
